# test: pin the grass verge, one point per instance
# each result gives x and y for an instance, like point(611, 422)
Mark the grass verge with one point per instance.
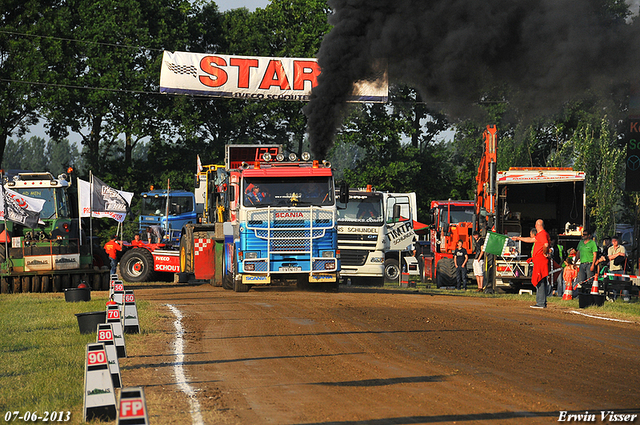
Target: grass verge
point(42, 351)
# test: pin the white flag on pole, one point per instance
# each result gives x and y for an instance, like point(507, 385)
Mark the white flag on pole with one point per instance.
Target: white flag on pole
point(84, 197)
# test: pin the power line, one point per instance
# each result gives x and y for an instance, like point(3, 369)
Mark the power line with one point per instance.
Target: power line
point(69, 86)
point(81, 41)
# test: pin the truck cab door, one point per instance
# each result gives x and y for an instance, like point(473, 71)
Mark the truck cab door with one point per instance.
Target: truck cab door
point(399, 222)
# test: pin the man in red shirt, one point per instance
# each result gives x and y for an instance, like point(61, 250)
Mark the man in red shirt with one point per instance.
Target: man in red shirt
point(136, 240)
point(111, 248)
point(540, 256)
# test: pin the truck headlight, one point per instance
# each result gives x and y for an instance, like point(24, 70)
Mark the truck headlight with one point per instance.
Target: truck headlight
point(377, 260)
point(251, 255)
point(327, 254)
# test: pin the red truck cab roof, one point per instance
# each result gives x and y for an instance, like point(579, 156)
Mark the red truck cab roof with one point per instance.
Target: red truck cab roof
point(287, 170)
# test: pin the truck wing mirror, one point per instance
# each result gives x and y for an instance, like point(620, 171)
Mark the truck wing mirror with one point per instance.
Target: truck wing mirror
point(396, 212)
point(344, 193)
point(232, 193)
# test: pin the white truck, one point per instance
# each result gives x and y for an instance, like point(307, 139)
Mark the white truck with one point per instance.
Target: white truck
point(375, 232)
point(556, 195)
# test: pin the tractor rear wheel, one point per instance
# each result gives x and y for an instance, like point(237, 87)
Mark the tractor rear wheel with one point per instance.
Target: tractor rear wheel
point(445, 273)
point(136, 265)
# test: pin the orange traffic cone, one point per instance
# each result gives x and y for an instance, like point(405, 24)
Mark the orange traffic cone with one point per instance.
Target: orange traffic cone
point(594, 287)
point(568, 292)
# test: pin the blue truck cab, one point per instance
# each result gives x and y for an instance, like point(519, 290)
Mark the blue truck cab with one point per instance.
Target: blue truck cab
point(170, 216)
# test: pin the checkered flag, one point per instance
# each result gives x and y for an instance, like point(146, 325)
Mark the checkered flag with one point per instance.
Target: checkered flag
point(182, 69)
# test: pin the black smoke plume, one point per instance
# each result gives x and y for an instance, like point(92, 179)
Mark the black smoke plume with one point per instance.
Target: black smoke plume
point(546, 51)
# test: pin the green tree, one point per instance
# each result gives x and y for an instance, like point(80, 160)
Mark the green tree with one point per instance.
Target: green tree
point(594, 149)
point(13, 154)
point(36, 156)
point(113, 66)
point(397, 155)
point(63, 155)
point(23, 59)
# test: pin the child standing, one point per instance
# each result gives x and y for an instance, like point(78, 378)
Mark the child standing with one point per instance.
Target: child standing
point(461, 257)
point(569, 274)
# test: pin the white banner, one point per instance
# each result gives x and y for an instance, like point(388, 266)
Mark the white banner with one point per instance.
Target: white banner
point(84, 198)
point(254, 77)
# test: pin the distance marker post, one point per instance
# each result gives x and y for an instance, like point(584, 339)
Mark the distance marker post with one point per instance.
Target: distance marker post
point(99, 396)
point(133, 407)
point(112, 280)
point(105, 336)
point(115, 319)
point(131, 324)
point(118, 293)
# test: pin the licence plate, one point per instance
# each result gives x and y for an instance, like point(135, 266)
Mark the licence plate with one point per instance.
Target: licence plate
point(290, 269)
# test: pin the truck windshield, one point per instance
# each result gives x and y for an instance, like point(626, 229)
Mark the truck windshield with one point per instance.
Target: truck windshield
point(287, 191)
point(362, 209)
point(456, 215)
point(158, 206)
point(56, 205)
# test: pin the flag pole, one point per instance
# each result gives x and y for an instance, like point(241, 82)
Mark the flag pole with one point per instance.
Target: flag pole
point(4, 209)
point(91, 213)
point(166, 211)
point(79, 210)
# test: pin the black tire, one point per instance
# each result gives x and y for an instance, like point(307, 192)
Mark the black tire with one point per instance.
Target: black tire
point(26, 284)
point(36, 284)
point(391, 271)
point(66, 281)
point(445, 273)
point(16, 285)
point(4, 285)
point(238, 286)
point(186, 251)
point(46, 284)
point(303, 282)
point(96, 282)
point(136, 265)
point(57, 283)
point(227, 278)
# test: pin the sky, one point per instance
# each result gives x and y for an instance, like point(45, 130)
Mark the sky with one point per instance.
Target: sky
point(224, 5)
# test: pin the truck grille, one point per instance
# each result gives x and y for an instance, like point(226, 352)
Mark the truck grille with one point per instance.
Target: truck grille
point(280, 245)
point(353, 257)
point(290, 230)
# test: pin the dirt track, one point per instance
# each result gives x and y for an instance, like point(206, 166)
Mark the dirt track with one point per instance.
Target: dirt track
point(281, 356)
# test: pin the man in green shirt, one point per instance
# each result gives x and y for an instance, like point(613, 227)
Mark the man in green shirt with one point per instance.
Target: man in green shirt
point(588, 252)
